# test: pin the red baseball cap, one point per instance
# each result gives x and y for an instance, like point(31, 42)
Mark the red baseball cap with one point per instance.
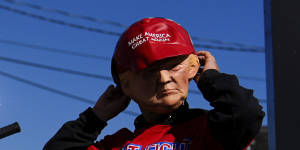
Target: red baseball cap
point(150, 40)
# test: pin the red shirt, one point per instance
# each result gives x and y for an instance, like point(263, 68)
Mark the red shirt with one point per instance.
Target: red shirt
point(192, 135)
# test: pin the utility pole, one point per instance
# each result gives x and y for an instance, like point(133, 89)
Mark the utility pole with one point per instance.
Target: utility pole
point(282, 32)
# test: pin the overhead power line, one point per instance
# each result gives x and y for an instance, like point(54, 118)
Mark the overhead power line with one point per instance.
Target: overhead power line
point(227, 43)
point(24, 13)
point(56, 91)
point(114, 23)
point(65, 13)
point(229, 48)
point(97, 30)
point(55, 50)
point(55, 68)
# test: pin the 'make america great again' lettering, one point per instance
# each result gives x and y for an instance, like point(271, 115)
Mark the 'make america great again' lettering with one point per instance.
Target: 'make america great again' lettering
point(159, 146)
point(146, 36)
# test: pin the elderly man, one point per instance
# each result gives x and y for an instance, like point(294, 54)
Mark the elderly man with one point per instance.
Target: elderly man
point(153, 64)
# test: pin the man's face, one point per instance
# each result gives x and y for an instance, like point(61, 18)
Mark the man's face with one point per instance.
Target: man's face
point(161, 87)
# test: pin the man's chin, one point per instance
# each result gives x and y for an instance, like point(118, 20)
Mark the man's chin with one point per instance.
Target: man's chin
point(172, 101)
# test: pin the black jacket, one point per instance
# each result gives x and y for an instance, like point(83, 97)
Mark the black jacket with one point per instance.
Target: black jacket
point(234, 121)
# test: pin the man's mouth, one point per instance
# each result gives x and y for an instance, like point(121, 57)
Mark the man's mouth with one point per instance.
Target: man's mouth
point(166, 92)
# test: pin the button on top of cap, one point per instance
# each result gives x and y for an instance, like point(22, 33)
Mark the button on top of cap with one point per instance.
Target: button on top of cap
point(146, 20)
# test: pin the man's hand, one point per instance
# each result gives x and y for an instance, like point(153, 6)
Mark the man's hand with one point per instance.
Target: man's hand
point(111, 103)
point(207, 61)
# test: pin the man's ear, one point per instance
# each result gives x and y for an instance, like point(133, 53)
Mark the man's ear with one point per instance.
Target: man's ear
point(194, 65)
point(124, 83)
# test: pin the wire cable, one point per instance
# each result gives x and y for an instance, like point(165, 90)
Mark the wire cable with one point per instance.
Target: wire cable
point(56, 91)
point(229, 48)
point(227, 43)
point(114, 23)
point(24, 13)
point(55, 50)
point(55, 68)
point(97, 30)
point(65, 13)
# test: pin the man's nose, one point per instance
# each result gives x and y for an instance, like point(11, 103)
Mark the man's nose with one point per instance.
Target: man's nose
point(165, 76)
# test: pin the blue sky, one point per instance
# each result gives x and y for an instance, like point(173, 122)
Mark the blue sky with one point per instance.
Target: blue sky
point(41, 113)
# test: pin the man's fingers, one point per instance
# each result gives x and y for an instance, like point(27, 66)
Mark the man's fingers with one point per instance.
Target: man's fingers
point(206, 54)
point(205, 57)
point(209, 59)
point(201, 60)
point(114, 94)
